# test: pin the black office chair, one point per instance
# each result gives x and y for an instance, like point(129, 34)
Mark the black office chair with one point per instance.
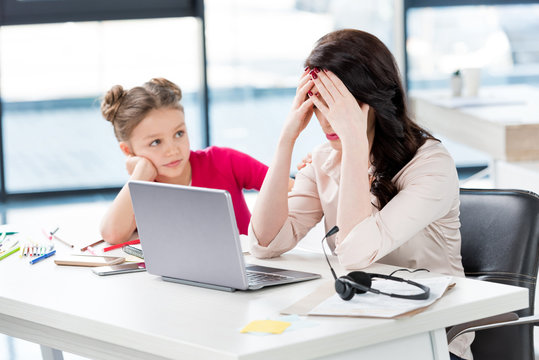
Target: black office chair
point(500, 243)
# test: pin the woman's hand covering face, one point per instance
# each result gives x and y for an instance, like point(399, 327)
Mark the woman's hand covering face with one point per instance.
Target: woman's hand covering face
point(340, 108)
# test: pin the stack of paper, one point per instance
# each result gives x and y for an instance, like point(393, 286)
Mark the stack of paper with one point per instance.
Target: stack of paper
point(325, 301)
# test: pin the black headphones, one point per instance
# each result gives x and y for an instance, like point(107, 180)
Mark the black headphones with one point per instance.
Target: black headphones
point(359, 282)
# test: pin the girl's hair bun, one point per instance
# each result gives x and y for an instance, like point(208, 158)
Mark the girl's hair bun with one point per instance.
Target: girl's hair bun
point(111, 102)
point(166, 84)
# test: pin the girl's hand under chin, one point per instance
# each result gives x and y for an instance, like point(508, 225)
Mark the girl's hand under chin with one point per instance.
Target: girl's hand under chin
point(140, 168)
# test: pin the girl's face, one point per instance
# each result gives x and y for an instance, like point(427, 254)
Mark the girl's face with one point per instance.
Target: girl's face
point(161, 137)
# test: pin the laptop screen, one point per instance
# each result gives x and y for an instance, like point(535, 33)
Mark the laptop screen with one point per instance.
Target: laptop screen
point(188, 233)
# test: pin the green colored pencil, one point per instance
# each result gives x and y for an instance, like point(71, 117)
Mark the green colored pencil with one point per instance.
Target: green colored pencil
point(9, 253)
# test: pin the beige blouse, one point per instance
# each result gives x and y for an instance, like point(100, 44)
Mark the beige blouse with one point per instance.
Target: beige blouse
point(418, 228)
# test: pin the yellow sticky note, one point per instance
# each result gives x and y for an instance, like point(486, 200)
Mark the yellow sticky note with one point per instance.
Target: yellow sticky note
point(266, 326)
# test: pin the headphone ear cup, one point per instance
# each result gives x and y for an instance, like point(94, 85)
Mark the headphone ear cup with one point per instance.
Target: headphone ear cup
point(361, 278)
point(345, 291)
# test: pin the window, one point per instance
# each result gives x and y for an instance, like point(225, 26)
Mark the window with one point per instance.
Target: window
point(503, 44)
point(256, 52)
point(53, 75)
point(496, 37)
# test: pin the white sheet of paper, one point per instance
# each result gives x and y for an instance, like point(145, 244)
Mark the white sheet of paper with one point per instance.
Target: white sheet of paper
point(244, 241)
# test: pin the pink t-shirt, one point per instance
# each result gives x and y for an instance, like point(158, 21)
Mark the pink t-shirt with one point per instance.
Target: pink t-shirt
point(231, 170)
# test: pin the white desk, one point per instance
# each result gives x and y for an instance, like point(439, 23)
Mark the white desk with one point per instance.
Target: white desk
point(139, 316)
point(503, 121)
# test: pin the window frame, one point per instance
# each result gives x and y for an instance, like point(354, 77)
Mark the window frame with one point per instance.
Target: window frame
point(27, 12)
point(24, 12)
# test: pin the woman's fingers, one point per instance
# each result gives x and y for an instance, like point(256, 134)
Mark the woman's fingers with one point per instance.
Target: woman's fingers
point(306, 109)
point(303, 88)
point(320, 87)
point(337, 83)
point(325, 87)
point(303, 80)
point(305, 77)
point(315, 98)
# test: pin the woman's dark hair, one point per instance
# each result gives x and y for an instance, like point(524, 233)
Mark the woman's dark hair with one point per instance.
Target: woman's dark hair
point(368, 69)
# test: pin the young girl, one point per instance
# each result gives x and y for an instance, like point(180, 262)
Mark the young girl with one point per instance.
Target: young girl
point(391, 188)
point(149, 124)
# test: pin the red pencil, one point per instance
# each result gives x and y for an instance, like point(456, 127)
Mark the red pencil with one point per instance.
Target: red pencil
point(93, 244)
point(131, 242)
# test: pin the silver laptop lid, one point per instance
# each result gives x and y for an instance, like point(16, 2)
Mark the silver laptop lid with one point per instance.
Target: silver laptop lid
point(188, 233)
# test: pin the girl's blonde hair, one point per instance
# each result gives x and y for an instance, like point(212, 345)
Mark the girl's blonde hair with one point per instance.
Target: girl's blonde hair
point(125, 109)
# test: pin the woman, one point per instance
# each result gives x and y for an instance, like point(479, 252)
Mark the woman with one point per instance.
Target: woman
point(387, 183)
point(149, 124)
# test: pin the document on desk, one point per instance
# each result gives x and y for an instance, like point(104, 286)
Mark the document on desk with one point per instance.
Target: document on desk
point(244, 240)
point(326, 302)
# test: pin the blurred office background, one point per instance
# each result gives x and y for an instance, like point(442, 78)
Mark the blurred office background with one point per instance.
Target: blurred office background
point(54, 73)
point(52, 76)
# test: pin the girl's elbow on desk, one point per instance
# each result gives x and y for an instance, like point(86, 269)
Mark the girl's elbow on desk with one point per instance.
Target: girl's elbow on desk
point(113, 237)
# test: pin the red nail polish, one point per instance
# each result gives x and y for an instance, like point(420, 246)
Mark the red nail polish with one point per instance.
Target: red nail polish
point(316, 69)
point(325, 70)
point(313, 74)
point(310, 93)
point(306, 68)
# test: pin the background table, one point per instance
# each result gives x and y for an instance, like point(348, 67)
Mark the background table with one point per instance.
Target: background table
point(503, 122)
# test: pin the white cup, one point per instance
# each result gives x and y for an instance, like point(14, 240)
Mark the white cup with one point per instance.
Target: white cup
point(456, 85)
point(471, 78)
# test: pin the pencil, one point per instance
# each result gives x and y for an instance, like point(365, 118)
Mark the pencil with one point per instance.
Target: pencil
point(90, 250)
point(9, 253)
point(65, 242)
point(44, 256)
point(92, 245)
point(132, 242)
point(48, 235)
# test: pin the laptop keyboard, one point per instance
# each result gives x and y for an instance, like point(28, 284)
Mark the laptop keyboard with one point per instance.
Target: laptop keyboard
point(255, 277)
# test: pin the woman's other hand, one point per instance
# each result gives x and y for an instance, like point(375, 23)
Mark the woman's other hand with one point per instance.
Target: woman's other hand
point(302, 109)
point(341, 109)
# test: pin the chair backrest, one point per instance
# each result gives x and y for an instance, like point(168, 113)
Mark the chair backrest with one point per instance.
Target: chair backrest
point(500, 238)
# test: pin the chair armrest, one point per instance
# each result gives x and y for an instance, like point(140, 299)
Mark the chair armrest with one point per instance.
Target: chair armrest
point(492, 321)
point(532, 319)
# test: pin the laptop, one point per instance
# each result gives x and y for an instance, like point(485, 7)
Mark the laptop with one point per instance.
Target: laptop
point(189, 235)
